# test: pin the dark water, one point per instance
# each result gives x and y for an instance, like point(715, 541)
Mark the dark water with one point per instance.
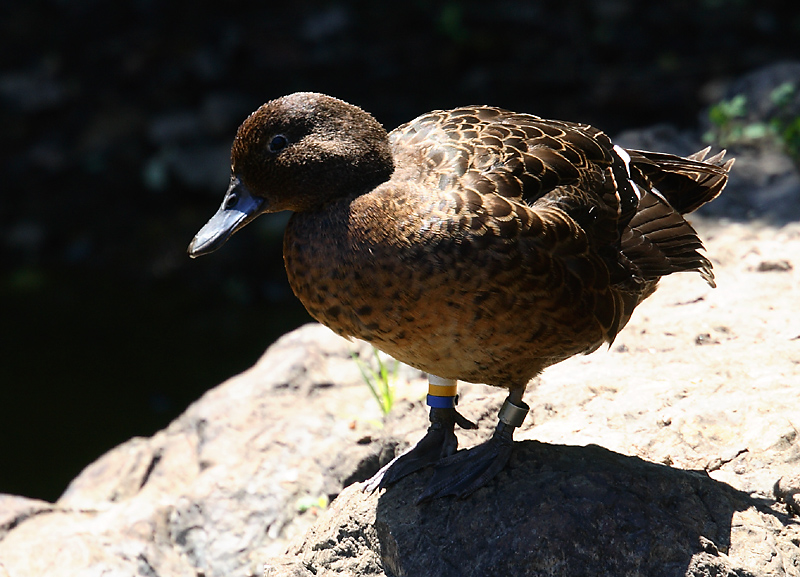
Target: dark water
point(87, 362)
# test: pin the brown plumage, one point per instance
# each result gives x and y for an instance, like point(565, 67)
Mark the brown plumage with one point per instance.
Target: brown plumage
point(475, 243)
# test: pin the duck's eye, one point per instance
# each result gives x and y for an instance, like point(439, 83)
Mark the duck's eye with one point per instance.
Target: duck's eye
point(278, 143)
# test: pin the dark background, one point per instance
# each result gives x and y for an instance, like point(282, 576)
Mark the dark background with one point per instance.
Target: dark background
point(116, 124)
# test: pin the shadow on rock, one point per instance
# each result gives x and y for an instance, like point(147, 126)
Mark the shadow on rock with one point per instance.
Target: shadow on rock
point(555, 510)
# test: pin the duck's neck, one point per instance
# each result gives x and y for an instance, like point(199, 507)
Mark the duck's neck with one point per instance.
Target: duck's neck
point(345, 192)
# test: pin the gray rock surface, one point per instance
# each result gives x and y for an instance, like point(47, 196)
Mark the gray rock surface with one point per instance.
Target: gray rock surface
point(676, 452)
point(696, 407)
point(556, 510)
point(222, 487)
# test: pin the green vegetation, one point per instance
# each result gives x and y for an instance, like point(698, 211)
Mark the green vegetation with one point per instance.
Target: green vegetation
point(381, 381)
point(731, 127)
point(308, 502)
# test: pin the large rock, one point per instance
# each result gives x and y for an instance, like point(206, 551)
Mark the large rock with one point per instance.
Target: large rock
point(697, 408)
point(223, 487)
point(556, 510)
point(676, 452)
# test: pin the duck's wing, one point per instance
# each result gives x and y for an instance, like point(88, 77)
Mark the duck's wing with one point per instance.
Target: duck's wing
point(558, 208)
point(523, 158)
point(627, 202)
point(536, 205)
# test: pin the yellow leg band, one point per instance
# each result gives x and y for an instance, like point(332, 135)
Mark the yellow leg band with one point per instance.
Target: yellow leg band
point(442, 390)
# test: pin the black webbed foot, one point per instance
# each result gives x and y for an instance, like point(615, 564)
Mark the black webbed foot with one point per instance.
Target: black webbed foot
point(439, 442)
point(463, 473)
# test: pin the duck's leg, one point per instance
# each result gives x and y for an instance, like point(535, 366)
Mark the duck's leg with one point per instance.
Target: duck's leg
point(439, 442)
point(467, 471)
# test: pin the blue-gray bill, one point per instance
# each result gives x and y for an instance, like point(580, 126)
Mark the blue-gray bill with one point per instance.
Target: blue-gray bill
point(238, 208)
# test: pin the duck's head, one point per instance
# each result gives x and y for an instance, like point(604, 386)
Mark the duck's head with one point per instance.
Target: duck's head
point(298, 152)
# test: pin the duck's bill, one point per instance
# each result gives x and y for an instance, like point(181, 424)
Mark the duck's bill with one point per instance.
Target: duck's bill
point(238, 208)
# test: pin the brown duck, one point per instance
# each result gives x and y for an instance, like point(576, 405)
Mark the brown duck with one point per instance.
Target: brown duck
point(475, 243)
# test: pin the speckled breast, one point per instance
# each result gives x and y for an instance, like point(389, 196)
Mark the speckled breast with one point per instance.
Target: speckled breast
point(399, 278)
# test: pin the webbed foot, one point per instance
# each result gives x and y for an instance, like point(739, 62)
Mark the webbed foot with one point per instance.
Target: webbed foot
point(461, 474)
point(439, 442)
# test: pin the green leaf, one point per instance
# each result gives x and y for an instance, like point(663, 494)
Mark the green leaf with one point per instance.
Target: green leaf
point(307, 502)
point(755, 131)
point(380, 381)
point(782, 94)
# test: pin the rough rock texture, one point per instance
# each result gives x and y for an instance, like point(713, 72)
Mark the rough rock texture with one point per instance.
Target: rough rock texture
point(557, 510)
point(676, 452)
point(705, 381)
point(222, 487)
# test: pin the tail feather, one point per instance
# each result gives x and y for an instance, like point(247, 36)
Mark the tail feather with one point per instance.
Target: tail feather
point(686, 183)
point(700, 155)
point(658, 241)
